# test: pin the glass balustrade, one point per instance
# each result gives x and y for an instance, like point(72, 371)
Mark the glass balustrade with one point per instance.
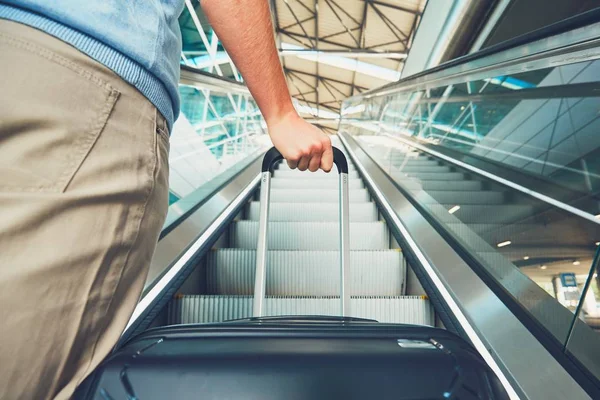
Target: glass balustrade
point(502, 153)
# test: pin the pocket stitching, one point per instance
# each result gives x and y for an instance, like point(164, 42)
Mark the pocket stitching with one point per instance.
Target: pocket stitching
point(83, 144)
point(56, 58)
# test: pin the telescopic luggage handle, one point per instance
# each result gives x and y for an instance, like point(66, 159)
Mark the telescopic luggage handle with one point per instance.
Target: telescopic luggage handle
point(273, 156)
point(269, 161)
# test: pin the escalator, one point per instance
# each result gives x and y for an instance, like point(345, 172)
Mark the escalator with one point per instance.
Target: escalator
point(467, 213)
point(302, 262)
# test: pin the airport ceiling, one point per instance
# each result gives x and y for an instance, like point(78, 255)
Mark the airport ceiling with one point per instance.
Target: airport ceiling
point(330, 49)
point(333, 49)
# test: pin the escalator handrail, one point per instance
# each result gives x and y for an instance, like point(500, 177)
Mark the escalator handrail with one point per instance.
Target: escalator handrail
point(569, 24)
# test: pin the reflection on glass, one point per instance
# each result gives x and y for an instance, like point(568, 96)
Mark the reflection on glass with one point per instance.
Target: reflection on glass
point(539, 128)
point(216, 135)
point(201, 47)
point(543, 123)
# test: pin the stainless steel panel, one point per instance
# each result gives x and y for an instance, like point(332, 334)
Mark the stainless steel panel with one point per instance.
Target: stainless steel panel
point(176, 250)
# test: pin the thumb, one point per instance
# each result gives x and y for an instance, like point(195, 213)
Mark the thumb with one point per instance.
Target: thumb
point(327, 158)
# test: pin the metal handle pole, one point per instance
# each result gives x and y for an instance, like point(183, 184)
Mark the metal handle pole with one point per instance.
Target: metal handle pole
point(260, 281)
point(270, 159)
point(344, 245)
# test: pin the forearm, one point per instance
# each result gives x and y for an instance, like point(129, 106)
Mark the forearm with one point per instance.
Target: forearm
point(244, 27)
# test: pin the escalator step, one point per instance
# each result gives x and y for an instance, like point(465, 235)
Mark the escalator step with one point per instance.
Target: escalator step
point(331, 195)
point(482, 214)
point(306, 212)
point(460, 197)
point(305, 273)
point(441, 185)
point(192, 309)
point(282, 183)
point(435, 176)
point(440, 169)
point(310, 235)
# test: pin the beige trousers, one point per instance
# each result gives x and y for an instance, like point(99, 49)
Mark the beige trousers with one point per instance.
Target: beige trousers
point(83, 196)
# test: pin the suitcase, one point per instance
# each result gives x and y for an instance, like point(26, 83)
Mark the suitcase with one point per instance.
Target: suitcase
point(296, 357)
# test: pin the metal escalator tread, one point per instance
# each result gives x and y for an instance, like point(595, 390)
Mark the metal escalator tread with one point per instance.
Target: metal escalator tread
point(305, 273)
point(303, 183)
point(303, 258)
point(461, 197)
point(442, 185)
point(310, 195)
point(410, 168)
point(192, 309)
point(481, 213)
point(449, 176)
point(310, 235)
point(325, 212)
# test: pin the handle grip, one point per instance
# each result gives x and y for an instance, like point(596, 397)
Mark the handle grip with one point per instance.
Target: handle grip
point(273, 156)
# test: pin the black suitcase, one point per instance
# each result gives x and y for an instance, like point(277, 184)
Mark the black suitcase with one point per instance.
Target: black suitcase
point(294, 358)
point(309, 357)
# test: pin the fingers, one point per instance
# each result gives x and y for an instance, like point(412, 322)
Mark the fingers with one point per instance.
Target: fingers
point(292, 164)
point(303, 163)
point(327, 156)
point(314, 163)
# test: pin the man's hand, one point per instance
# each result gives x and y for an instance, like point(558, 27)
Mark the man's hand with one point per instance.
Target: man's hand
point(303, 145)
point(247, 34)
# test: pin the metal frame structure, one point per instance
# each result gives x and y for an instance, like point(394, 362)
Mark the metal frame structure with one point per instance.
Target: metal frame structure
point(361, 34)
point(305, 32)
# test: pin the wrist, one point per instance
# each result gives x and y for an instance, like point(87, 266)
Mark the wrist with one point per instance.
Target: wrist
point(284, 114)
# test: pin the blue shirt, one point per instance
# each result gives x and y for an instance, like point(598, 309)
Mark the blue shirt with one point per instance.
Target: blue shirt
point(139, 40)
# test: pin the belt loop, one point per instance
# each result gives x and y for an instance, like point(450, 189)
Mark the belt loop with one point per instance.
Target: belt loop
point(160, 122)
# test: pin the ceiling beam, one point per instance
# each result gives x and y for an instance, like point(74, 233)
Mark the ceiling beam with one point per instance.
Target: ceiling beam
point(387, 23)
point(356, 53)
point(394, 6)
point(304, 93)
point(314, 87)
point(336, 89)
point(345, 12)
point(403, 42)
point(324, 77)
point(311, 38)
point(342, 22)
point(329, 108)
point(307, 8)
point(329, 90)
point(298, 89)
point(295, 23)
point(299, 23)
point(339, 33)
point(361, 41)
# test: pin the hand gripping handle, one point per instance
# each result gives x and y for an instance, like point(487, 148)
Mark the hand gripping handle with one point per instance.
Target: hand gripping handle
point(269, 161)
point(273, 156)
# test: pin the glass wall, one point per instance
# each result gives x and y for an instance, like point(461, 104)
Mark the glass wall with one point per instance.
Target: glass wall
point(220, 130)
point(201, 46)
point(503, 153)
point(218, 133)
